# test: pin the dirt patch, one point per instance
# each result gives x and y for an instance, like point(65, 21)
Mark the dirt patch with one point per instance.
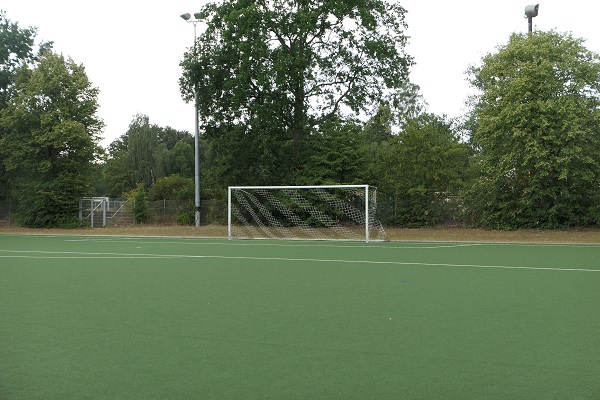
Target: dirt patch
point(421, 234)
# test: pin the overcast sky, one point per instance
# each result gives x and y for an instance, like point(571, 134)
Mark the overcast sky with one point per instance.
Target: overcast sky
point(131, 49)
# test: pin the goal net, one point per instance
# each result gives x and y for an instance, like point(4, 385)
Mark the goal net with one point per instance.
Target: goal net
point(336, 212)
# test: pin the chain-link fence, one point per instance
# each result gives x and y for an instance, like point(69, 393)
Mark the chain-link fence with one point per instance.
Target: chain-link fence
point(119, 212)
point(416, 210)
point(105, 212)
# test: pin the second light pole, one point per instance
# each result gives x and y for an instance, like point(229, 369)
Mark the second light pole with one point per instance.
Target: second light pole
point(530, 12)
point(188, 18)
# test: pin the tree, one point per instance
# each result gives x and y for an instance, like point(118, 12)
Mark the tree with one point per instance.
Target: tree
point(335, 156)
point(117, 176)
point(183, 159)
point(271, 72)
point(536, 124)
point(16, 49)
point(50, 140)
point(424, 166)
point(170, 188)
point(146, 153)
point(138, 203)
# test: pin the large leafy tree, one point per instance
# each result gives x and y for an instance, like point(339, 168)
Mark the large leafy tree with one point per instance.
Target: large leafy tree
point(147, 157)
point(146, 153)
point(424, 167)
point(16, 49)
point(536, 124)
point(50, 139)
point(335, 155)
point(271, 72)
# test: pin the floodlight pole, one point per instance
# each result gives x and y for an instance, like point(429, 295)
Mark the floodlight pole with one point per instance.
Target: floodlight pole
point(530, 12)
point(187, 18)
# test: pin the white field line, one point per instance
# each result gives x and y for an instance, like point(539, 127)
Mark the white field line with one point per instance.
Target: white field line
point(354, 245)
point(221, 241)
point(84, 255)
point(390, 245)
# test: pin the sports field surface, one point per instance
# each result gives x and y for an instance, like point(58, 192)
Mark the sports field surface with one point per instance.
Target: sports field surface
point(107, 317)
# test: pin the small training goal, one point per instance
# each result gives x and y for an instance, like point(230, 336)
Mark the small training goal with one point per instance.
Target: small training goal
point(334, 212)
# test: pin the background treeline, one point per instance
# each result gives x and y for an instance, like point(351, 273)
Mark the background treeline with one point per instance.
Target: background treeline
point(418, 172)
point(316, 93)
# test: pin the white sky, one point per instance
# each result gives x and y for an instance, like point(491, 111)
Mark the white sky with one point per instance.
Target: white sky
point(131, 49)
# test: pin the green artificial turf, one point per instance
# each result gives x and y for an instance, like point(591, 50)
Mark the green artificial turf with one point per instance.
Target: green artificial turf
point(176, 318)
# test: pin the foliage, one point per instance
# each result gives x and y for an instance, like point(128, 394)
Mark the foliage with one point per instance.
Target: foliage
point(270, 73)
point(50, 139)
point(182, 159)
point(424, 166)
point(536, 124)
point(176, 187)
point(16, 49)
point(334, 155)
point(116, 174)
point(239, 157)
point(379, 127)
point(186, 216)
point(170, 188)
point(146, 153)
point(138, 203)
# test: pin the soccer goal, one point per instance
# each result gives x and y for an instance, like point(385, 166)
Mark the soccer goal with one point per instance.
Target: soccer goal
point(336, 212)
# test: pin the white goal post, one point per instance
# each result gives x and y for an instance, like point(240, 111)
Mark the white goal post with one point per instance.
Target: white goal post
point(326, 212)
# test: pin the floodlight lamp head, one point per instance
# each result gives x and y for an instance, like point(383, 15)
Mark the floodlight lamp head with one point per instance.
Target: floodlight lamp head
point(532, 11)
point(186, 16)
point(199, 15)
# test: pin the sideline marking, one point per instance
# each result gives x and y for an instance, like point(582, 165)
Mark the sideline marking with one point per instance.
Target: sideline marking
point(348, 244)
point(83, 255)
point(353, 245)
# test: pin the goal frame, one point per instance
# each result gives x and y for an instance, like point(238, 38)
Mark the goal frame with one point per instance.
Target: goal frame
point(366, 208)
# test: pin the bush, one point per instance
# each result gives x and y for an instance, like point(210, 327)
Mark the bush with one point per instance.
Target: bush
point(138, 203)
point(172, 187)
